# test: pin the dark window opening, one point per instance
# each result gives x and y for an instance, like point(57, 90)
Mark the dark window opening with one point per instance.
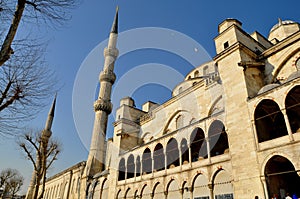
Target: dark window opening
point(146, 162)
point(172, 153)
point(281, 177)
point(292, 104)
point(130, 167)
point(159, 158)
point(122, 169)
point(198, 145)
point(218, 140)
point(226, 45)
point(269, 121)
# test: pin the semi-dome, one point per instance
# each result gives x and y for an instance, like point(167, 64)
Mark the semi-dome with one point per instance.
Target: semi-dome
point(267, 88)
point(294, 75)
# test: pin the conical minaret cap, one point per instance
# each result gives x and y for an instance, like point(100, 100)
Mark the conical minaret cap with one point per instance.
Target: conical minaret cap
point(114, 28)
point(52, 109)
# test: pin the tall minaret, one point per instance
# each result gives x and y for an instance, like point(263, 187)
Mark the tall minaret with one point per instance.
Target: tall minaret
point(103, 105)
point(40, 163)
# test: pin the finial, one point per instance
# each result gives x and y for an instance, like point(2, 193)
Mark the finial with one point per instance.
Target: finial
point(114, 28)
point(52, 109)
point(279, 21)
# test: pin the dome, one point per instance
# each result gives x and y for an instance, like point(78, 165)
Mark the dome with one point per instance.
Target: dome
point(280, 22)
point(294, 75)
point(267, 88)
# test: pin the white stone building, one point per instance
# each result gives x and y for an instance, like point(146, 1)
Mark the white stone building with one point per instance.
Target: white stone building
point(230, 130)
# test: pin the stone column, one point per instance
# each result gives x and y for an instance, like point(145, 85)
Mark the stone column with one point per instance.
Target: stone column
point(211, 190)
point(265, 186)
point(288, 126)
point(208, 148)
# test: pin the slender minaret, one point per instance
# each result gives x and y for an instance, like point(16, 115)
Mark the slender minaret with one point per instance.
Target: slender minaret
point(41, 161)
point(103, 105)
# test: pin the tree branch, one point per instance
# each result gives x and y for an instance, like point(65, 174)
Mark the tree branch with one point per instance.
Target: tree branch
point(29, 155)
point(52, 160)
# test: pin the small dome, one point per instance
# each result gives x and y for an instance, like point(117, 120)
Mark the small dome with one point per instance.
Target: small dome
point(267, 88)
point(285, 22)
point(294, 75)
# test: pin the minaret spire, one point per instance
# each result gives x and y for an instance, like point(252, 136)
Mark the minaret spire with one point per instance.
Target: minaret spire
point(103, 105)
point(114, 27)
point(51, 115)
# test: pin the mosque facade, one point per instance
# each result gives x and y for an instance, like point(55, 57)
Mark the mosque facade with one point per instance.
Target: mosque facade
point(230, 130)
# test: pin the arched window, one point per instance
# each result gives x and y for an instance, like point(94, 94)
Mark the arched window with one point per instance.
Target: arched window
point(122, 169)
point(172, 153)
point(179, 122)
point(281, 177)
point(159, 157)
point(196, 73)
point(130, 167)
point(218, 140)
point(269, 121)
point(180, 90)
point(198, 145)
point(292, 105)
point(205, 70)
point(105, 188)
point(147, 161)
point(184, 151)
point(138, 166)
point(222, 183)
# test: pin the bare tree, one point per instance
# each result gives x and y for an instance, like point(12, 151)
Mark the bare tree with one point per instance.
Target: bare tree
point(41, 158)
point(47, 12)
point(11, 182)
point(26, 83)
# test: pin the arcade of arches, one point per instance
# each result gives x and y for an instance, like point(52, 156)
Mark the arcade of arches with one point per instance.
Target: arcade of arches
point(174, 155)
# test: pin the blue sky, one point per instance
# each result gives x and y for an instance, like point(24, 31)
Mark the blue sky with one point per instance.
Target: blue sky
point(90, 25)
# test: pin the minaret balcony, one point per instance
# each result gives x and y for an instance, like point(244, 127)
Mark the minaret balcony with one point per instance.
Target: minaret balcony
point(107, 76)
point(113, 52)
point(103, 105)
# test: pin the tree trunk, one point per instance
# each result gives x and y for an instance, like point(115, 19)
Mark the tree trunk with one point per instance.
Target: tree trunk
point(6, 49)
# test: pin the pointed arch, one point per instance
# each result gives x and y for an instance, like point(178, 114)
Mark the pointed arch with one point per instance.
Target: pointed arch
point(172, 153)
point(158, 191)
point(222, 183)
point(281, 175)
point(292, 105)
point(198, 145)
point(166, 126)
point(130, 167)
point(146, 192)
point(147, 161)
point(104, 189)
point(122, 169)
point(218, 138)
point(119, 194)
point(214, 106)
point(200, 186)
point(279, 68)
point(159, 157)
point(173, 189)
point(129, 194)
point(269, 121)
